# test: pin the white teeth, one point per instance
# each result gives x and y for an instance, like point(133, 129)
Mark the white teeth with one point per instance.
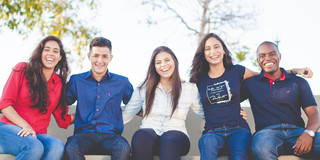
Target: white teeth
point(268, 64)
point(49, 59)
point(165, 70)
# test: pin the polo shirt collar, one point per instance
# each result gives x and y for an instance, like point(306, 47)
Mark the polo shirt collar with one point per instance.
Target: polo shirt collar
point(285, 75)
point(105, 77)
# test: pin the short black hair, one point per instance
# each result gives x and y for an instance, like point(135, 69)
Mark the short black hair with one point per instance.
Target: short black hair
point(267, 42)
point(101, 42)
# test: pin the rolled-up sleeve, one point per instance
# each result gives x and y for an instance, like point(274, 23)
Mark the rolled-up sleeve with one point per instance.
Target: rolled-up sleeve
point(11, 88)
point(62, 123)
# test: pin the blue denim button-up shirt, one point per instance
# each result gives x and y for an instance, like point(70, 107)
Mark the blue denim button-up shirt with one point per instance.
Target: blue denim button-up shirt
point(98, 103)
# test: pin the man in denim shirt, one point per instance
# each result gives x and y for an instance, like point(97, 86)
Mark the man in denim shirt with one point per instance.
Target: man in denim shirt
point(276, 99)
point(98, 120)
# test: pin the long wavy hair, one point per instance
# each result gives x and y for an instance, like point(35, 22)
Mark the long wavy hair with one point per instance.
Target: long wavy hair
point(153, 78)
point(200, 65)
point(38, 87)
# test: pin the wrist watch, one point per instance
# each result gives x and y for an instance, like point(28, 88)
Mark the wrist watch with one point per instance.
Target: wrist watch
point(311, 133)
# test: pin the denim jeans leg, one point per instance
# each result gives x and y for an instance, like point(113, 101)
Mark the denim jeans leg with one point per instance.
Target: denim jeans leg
point(315, 151)
point(239, 142)
point(266, 143)
point(115, 145)
point(293, 135)
point(78, 145)
point(210, 144)
point(24, 148)
point(53, 147)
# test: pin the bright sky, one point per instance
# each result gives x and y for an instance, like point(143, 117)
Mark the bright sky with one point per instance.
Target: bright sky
point(295, 23)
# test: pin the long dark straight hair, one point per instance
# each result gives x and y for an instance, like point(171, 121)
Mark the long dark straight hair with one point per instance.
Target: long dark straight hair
point(38, 87)
point(200, 66)
point(153, 78)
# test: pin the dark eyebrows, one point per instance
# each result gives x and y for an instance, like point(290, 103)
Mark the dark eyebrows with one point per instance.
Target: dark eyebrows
point(53, 48)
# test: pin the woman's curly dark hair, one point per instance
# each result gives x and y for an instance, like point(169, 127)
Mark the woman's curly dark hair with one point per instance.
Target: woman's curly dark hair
point(37, 83)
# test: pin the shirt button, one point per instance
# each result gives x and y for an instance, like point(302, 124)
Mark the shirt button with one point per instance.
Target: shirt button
point(98, 84)
point(98, 96)
point(272, 82)
point(97, 110)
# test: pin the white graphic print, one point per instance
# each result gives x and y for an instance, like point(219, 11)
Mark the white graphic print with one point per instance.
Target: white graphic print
point(219, 92)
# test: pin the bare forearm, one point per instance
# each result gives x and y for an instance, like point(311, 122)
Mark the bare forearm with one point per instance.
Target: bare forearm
point(313, 122)
point(313, 118)
point(14, 117)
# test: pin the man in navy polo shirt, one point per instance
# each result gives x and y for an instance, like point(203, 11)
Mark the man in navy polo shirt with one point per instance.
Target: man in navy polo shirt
point(98, 119)
point(276, 99)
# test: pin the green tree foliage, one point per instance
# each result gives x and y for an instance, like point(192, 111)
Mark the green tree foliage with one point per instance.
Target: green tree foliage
point(223, 17)
point(49, 17)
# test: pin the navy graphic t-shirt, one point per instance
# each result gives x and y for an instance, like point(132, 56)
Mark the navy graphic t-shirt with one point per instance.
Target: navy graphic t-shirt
point(220, 98)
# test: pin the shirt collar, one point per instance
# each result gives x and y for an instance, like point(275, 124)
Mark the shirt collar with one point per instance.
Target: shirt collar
point(54, 78)
point(285, 75)
point(107, 76)
point(160, 87)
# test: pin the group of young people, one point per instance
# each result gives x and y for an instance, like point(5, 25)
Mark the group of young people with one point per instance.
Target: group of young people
point(39, 88)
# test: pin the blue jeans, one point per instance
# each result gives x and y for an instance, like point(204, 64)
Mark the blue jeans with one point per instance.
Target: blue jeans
point(169, 146)
point(273, 141)
point(43, 147)
point(231, 139)
point(84, 143)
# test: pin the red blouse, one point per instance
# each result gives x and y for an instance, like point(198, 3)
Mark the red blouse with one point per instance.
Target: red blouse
point(16, 94)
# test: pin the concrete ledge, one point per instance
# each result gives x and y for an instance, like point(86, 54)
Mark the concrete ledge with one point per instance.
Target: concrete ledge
point(6, 157)
point(105, 157)
point(99, 157)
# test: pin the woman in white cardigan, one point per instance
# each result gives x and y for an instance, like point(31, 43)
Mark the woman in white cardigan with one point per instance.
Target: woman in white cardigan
point(165, 101)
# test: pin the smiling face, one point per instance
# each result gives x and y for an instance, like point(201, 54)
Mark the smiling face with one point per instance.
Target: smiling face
point(269, 58)
point(50, 55)
point(164, 65)
point(213, 51)
point(100, 58)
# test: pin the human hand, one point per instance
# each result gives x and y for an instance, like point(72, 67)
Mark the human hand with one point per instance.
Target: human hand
point(303, 144)
point(304, 72)
point(25, 131)
point(243, 114)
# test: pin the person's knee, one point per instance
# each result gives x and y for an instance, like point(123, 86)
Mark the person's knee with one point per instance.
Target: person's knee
point(71, 145)
point(143, 133)
point(173, 138)
point(208, 140)
point(143, 138)
point(58, 147)
point(122, 145)
point(262, 144)
point(34, 147)
point(209, 146)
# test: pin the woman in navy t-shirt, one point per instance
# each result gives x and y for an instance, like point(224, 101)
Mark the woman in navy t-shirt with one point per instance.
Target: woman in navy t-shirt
point(219, 83)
